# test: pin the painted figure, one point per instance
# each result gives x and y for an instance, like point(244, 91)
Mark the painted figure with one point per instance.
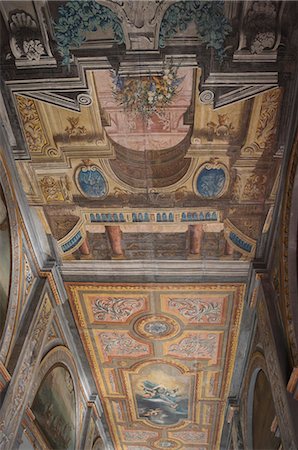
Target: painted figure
point(160, 404)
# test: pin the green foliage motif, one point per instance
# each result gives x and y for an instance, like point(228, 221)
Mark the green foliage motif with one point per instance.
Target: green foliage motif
point(212, 26)
point(76, 18)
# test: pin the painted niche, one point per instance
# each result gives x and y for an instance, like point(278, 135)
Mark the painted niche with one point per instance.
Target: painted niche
point(162, 394)
point(211, 180)
point(98, 444)
point(5, 252)
point(54, 409)
point(91, 182)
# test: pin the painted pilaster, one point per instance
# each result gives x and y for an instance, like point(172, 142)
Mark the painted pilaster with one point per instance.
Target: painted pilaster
point(271, 340)
point(18, 392)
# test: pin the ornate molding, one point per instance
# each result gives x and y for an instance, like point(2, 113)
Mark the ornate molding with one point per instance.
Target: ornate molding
point(14, 293)
point(288, 265)
point(260, 31)
point(275, 376)
point(19, 389)
point(28, 36)
point(238, 240)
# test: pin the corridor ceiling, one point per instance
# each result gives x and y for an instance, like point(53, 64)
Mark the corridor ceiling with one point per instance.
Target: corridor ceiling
point(142, 138)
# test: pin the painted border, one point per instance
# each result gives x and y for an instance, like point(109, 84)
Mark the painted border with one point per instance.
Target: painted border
point(15, 280)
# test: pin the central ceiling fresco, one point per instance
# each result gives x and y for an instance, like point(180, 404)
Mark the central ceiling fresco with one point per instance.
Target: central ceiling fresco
point(162, 357)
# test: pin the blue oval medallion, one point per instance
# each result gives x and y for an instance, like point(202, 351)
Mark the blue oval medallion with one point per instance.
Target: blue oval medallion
point(92, 182)
point(210, 182)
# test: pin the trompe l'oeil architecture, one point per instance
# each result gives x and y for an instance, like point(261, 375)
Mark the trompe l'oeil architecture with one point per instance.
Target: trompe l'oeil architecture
point(148, 225)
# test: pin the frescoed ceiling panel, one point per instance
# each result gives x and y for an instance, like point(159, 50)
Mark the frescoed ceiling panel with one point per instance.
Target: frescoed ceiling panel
point(162, 357)
point(210, 187)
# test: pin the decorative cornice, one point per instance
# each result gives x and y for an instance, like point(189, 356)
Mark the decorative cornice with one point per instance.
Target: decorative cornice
point(198, 270)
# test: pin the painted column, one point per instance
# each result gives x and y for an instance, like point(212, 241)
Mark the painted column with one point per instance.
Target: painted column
point(195, 239)
point(84, 248)
point(19, 389)
point(229, 249)
point(114, 235)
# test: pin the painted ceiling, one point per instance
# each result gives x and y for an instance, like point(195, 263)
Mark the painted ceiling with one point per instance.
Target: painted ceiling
point(162, 357)
point(149, 132)
point(181, 180)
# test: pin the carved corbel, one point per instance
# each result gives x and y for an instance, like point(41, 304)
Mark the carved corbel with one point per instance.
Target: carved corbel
point(28, 37)
point(260, 31)
point(141, 22)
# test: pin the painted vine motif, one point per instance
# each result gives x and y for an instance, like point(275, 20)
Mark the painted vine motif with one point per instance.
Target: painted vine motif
point(77, 18)
point(212, 26)
point(197, 310)
point(149, 95)
point(116, 309)
point(120, 344)
point(195, 346)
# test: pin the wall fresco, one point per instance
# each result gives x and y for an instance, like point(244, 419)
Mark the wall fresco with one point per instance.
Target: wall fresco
point(54, 409)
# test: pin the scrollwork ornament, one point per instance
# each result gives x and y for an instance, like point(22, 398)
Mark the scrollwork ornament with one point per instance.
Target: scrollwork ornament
point(206, 97)
point(84, 99)
point(53, 152)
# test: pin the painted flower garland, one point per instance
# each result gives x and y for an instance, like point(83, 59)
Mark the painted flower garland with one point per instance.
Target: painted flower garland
point(146, 95)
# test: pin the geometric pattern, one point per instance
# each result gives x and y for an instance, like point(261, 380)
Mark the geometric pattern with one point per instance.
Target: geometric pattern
point(162, 356)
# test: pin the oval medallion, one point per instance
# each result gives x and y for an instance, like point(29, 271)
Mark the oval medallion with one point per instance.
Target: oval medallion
point(91, 181)
point(211, 181)
point(157, 327)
